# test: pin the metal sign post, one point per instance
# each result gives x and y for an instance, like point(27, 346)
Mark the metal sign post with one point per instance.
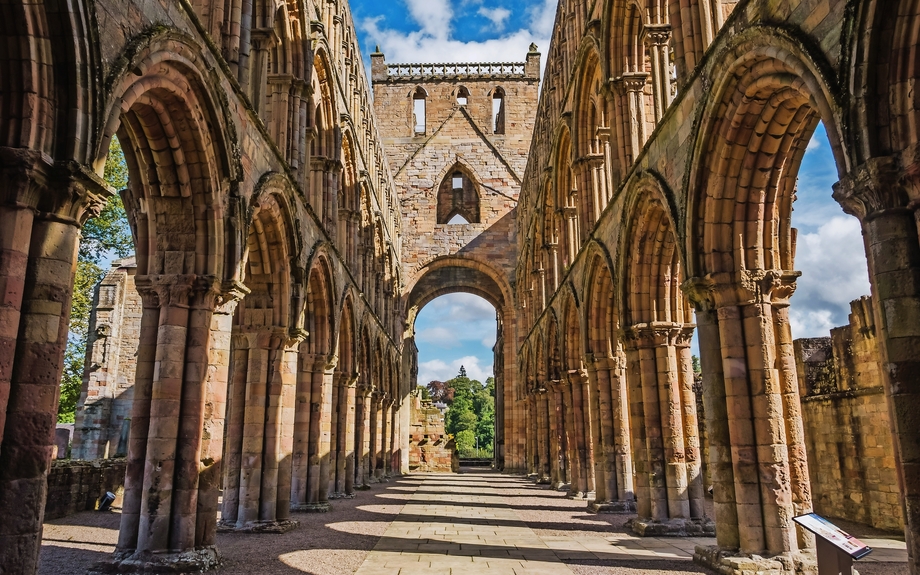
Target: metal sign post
point(836, 549)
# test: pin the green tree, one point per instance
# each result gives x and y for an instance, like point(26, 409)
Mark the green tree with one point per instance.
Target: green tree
point(465, 440)
point(106, 234)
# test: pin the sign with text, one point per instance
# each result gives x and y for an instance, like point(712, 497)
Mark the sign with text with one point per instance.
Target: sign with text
point(823, 528)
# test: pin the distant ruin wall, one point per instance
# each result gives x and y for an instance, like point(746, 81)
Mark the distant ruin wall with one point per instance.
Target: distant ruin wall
point(104, 409)
point(430, 449)
point(847, 425)
point(75, 486)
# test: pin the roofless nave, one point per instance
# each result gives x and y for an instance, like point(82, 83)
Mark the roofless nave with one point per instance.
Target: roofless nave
point(286, 233)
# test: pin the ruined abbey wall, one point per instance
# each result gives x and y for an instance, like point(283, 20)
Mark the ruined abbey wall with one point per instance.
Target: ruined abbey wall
point(847, 425)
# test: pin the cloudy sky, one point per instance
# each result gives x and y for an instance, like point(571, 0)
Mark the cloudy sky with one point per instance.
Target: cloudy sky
point(459, 329)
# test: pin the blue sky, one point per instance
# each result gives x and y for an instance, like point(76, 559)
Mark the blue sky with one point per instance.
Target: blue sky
point(459, 329)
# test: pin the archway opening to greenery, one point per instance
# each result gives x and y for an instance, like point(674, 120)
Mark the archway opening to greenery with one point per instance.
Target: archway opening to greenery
point(455, 335)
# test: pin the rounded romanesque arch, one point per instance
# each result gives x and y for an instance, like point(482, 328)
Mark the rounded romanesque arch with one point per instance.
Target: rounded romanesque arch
point(263, 368)
point(568, 201)
point(592, 135)
point(754, 133)
point(658, 328)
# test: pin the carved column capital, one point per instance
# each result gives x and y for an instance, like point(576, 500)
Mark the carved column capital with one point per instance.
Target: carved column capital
point(657, 35)
point(875, 187)
point(744, 287)
point(654, 334)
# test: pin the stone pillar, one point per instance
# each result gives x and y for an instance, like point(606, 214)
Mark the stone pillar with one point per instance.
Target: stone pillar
point(41, 211)
point(571, 442)
point(597, 449)
point(755, 411)
point(263, 429)
point(303, 412)
point(171, 478)
point(349, 436)
point(315, 477)
point(394, 435)
point(659, 403)
point(690, 420)
point(657, 42)
point(543, 431)
point(556, 434)
point(579, 488)
point(335, 427)
point(633, 86)
point(614, 493)
point(532, 435)
point(363, 434)
point(877, 192)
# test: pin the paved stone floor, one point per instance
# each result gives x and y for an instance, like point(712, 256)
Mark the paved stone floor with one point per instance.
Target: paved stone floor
point(476, 523)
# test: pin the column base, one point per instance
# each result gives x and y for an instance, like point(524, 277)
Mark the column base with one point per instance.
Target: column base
point(543, 480)
point(730, 562)
point(560, 486)
point(257, 526)
point(581, 495)
point(612, 506)
point(311, 507)
point(342, 496)
point(673, 527)
point(364, 487)
point(194, 561)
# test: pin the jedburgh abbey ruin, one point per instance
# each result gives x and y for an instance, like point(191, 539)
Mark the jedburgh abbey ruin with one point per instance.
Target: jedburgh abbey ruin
point(292, 213)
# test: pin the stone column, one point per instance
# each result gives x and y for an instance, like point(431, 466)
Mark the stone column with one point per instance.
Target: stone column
point(878, 193)
point(571, 442)
point(657, 41)
point(633, 86)
point(691, 433)
point(580, 489)
point(363, 434)
point(316, 479)
point(177, 425)
point(660, 402)
point(532, 435)
point(335, 428)
point(303, 412)
point(614, 492)
point(754, 397)
point(556, 443)
point(349, 435)
point(588, 414)
point(394, 435)
point(543, 431)
point(41, 211)
point(597, 449)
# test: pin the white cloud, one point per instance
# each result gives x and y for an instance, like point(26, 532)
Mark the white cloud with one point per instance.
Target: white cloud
point(434, 42)
point(813, 144)
point(433, 16)
point(834, 272)
point(437, 369)
point(495, 15)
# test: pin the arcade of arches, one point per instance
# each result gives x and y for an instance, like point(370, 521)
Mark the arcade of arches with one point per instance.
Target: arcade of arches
point(288, 226)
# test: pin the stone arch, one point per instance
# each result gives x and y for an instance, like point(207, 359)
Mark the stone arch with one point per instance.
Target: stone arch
point(263, 367)
point(451, 273)
point(27, 99)
point(591, 135)
point(163, 115)
point(658, 327)
point(601, 313)
point(342, 442)
point(320, 307)
point(780, 93)
point(568, 200)
point(884, 82)
point(753, 135)
point(652, 269)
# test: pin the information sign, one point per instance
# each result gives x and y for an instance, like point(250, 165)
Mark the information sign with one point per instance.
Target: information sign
point(833, 534)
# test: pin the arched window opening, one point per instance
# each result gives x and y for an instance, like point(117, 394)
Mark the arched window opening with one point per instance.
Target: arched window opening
point(458, 199)
point(418, 110)
point(463, 96)
point(498, 111)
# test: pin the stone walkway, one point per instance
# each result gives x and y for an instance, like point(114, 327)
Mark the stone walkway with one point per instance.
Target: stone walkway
point(468, 523)
point(474, 523)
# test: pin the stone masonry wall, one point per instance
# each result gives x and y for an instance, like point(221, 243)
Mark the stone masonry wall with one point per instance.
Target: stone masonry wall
point(104, 408)
point(75, 486)
point(430, 448)
point(847, 425)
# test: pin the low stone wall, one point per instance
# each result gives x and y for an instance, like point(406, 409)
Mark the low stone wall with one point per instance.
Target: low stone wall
point(75, 485)
point(847, 425)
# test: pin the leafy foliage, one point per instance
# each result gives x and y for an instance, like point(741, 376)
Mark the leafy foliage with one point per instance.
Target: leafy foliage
point(103, 236)
point(471, 413)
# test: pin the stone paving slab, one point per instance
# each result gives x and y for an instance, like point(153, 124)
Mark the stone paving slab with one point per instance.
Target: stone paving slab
point(468, 524)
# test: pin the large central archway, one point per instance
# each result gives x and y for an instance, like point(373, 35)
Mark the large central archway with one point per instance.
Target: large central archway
point(457, 274)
